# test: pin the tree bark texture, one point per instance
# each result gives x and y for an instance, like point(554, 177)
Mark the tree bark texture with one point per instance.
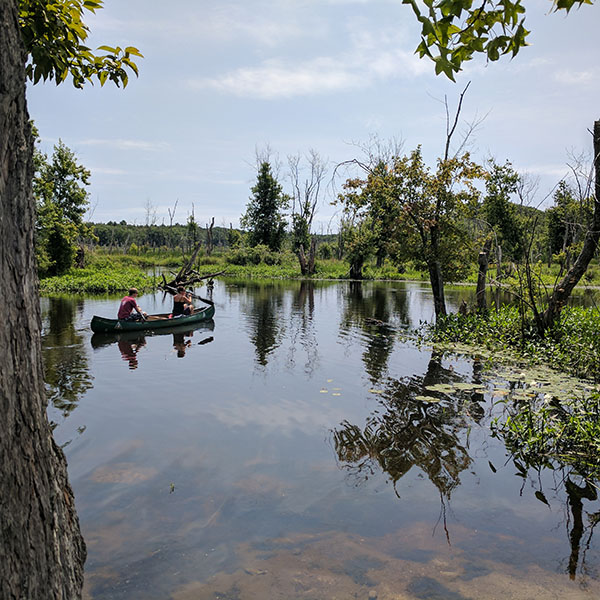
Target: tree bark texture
point(41, 548)
point(563, 290)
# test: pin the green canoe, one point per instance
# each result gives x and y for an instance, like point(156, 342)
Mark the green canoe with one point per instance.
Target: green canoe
point(152, 322)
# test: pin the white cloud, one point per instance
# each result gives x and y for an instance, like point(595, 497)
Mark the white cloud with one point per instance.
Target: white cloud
point(274, 79)
point(107, 171)
point(371, 58)
point(576, 77)
point(119, 144)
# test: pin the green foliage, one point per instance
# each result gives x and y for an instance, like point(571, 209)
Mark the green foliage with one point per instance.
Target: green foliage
point(102, 277)
point(573, 345)
point(544, 431)
point(254, 256)
point(54, 32)
point(452, 31)
point(300, 233)
point(121, 235)
point(234, 238)
point(499, 212)
point(61, 201)
point(567, 220)
point(416, 213)
point(263, 218)
point(326, 251)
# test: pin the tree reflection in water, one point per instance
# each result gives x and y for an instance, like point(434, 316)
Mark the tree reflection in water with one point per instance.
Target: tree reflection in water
point(66, 366)
point(372, 309)
point(409, 433)
point(263, 305)
point(302, 327)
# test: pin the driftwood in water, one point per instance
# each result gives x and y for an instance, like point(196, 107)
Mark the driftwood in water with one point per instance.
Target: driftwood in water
point(188, 277)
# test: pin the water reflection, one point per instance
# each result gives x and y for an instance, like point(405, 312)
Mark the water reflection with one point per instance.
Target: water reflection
point(66, 365)
point(262, 304)
point(230, 490)
point(378, 312)
point(130, 343)
point(409, 432)
point(302, 330)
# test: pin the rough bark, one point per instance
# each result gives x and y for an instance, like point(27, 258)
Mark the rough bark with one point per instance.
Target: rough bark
point(483, 261)
point(563, 290)
point(41, 548)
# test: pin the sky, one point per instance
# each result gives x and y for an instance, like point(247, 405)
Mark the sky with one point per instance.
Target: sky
point(220, 80)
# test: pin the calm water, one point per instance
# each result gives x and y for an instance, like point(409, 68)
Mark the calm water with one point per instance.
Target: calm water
point(282, 452)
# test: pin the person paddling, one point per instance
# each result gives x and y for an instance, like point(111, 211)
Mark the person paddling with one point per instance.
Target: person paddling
point(128, 305)
point(182, 303)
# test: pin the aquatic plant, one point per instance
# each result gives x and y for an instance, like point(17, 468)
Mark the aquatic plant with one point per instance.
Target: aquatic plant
point(572, 345)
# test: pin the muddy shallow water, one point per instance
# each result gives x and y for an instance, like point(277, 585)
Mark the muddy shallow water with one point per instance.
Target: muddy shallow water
point(289, 450)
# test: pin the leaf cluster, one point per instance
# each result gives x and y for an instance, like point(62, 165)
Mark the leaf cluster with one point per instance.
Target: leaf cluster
point(452, 31)
point(54, 34)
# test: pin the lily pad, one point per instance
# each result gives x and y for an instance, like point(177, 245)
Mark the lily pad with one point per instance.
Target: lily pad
point(427, 398)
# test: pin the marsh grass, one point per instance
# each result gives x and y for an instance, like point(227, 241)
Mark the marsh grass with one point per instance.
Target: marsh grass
point(572, 346)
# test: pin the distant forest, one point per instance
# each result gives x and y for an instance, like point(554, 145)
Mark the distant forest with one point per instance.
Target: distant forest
point(122, 235)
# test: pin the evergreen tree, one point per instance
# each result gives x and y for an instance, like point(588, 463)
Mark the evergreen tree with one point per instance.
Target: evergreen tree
point(264, 219)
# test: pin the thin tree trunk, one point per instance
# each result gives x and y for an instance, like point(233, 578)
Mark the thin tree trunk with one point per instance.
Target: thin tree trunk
point(483, 261)
point(41, 548)
point(561, 293)
point(498, 262)
point(437, 288)
point(209, 237)
point(435, 275)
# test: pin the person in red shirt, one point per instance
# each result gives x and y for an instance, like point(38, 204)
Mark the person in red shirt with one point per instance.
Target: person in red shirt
point(128, 305)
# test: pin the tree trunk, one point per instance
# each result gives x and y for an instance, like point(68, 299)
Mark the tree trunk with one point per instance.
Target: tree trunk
point(561, 293)
point(307, 265)
point(498, 262)
point(41, 548)
point(302, 260)
point(209, 237)
point(437, 287)
point(356, 269)
point(483, 261)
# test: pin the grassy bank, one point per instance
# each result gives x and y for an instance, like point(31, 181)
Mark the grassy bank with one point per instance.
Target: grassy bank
point(113, 272)
point(117, 272)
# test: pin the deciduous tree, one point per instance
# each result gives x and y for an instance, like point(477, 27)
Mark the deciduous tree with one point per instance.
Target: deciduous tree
point(61, 201)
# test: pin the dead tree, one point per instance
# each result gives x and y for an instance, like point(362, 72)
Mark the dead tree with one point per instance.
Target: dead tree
point(187, 276)
point(209, 237)
point(172, 213)
point(305, 199)
point(563, 290)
